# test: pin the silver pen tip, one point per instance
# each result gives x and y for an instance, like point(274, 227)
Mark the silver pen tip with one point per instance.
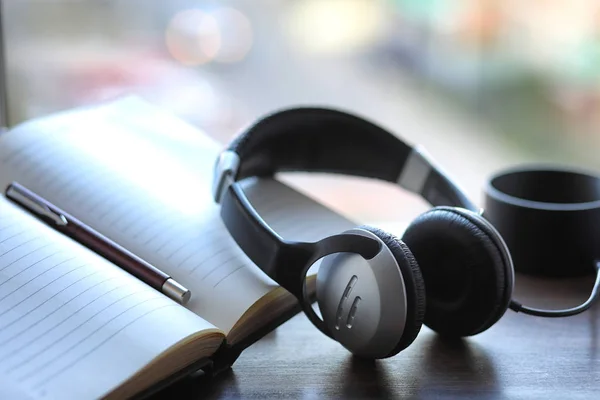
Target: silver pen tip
point(176, 291)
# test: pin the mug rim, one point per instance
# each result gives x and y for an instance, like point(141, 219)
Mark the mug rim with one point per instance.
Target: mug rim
point(492, 191)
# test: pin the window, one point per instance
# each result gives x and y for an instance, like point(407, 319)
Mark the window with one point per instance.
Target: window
point(482, 84)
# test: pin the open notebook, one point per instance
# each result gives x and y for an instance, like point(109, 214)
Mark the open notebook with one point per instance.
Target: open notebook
point(73, 325)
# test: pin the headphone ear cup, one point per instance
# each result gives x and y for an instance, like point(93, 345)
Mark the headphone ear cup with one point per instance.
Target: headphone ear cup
point(414, 285)
point(469, 283)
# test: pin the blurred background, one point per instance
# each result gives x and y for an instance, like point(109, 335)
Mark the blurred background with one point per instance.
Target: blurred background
point(482, 84)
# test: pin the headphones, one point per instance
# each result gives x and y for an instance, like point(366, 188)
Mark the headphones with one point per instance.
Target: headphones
point(451, 270)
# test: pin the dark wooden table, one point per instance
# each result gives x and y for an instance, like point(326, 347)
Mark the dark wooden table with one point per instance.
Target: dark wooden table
point(521, 357)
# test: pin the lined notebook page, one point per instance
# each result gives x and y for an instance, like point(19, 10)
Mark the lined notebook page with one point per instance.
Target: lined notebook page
point(143, 178)
point(67, 314)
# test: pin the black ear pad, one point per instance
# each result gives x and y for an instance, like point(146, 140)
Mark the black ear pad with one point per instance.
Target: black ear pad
point(413, 282)
point(469, 281)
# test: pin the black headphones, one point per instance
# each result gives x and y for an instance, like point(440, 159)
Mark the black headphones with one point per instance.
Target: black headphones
point(451, 270)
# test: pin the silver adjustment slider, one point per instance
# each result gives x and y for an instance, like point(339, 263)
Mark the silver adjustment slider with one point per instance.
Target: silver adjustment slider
point(227, 165)
point(416, 170)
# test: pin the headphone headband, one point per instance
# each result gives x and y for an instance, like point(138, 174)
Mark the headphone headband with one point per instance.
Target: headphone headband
point(319, 140)
point(331, 141)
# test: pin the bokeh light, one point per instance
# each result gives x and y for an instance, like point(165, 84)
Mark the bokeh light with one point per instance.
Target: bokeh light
point(335, 26)
point(193, 37)
point(236, 35)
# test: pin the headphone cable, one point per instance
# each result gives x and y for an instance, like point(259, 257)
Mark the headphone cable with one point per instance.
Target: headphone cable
point(518, 307)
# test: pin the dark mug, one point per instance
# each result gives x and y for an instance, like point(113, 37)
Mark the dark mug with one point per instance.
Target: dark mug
point(549, 218)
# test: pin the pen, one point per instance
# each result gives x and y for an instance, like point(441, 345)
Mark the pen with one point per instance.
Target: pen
point(95, 241)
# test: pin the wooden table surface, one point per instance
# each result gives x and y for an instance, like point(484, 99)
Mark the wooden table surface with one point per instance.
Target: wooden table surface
point(521, 357)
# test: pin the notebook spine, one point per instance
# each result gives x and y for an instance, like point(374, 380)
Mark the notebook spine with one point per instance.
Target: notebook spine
point(197, 370)
point(227, 354)
point(223, 359)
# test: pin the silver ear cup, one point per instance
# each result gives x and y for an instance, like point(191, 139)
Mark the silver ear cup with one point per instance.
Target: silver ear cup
point(363, 302)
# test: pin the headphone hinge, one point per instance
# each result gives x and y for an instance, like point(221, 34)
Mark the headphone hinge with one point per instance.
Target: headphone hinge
point(416, 170)
point(226, 166)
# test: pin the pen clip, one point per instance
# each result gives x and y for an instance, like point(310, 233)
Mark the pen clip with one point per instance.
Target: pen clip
point(29, 200)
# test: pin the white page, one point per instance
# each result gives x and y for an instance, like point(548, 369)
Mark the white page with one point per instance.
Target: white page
point(69, 319)
point(143, 178)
